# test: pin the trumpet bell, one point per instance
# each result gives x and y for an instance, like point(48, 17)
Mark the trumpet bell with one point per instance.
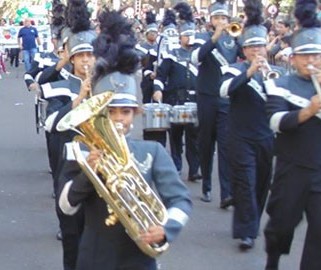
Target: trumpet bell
point(272, 75)
point(234, 29)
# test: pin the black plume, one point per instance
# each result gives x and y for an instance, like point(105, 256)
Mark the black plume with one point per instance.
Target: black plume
point(150, 17)
point(78, 16)
point(185, 12)
point(58, 12)
point(58, 18)
point(114, 48)
point(305, 12)
point(169, 18)
point(253, 11)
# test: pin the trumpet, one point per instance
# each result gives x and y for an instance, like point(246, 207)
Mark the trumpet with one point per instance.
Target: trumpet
point(314, 79)
point(234, 29)
point(267, 72)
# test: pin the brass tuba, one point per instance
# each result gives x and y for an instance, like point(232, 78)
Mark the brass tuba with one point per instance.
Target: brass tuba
point(116, 179)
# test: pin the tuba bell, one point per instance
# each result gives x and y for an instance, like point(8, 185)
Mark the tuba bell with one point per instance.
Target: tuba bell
point(130, 200)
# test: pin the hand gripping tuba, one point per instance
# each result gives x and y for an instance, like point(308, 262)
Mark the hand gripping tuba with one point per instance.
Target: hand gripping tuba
point(116, 179)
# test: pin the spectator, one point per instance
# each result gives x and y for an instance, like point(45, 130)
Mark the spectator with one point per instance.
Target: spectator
point(2, 61)
point(282, 57)
point(3, 22)
point(283, 28)
point(27, 37)
point(14, 56)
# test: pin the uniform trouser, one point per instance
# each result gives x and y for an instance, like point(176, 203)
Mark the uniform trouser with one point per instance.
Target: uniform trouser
point(291, 195)
point(251, 166)
point(50, 159)
point(213, 129)
point(71, 226)
point(71, 229)
point(158, 136)
point(191, 145)
point(54, 152)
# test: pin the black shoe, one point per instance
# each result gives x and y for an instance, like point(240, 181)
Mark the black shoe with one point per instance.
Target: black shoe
point(246, 243)
point(206, 197)
point(194, 177)
point(59, 236)
point(225, 203)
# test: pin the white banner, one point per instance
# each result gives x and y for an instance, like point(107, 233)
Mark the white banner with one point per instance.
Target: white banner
point(9, 36)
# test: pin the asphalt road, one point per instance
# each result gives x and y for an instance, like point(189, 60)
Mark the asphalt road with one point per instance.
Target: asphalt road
point(28, 223)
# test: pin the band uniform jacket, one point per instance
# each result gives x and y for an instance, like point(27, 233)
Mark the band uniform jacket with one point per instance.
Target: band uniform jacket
point(101, 243)
point(295, 143)
point(60, 95)
point(42, 61)
point(247, 116)
point(210, 57)
point(149, 52)
point(176, 77)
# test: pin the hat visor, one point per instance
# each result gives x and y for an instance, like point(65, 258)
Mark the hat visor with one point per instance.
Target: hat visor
point(220, 12)
point(307, 49)
point(123, 100)
point(79, 49)
point(123, 103)
point(254, 42)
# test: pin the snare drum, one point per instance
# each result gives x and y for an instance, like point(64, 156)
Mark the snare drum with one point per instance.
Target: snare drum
point(184, 114)
point(156, 116)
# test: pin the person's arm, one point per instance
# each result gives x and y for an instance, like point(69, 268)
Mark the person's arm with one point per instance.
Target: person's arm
point(38, 41)
point(281, 117)
point(200, 54)
point(77, 187)
point(37, 36)
point(161, 77)
point(172, 191)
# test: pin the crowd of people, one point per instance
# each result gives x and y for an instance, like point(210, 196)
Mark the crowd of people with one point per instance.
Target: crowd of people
point(249, 89)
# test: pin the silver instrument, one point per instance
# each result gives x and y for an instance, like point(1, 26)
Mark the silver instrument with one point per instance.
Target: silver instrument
point(267, 72)
point(156, 116)
point(315, 81)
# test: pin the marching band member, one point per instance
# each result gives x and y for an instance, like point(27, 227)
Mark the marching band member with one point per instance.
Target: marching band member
point(169, 36)
point(250, 139)
point(149, 50)
point(63, 96)
point(220, 49)
point(293, 109)
point(179, 75)
point(109, 247)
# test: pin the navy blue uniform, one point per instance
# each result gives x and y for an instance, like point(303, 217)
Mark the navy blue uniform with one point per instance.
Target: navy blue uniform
point(296, 187)
point(60, 95)
point(109, 247)
point(147, 85)
point(176, 78)
point(249, 147)
point(212, 110)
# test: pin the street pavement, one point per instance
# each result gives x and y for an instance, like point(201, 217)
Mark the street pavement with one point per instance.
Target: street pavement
point(28, 223)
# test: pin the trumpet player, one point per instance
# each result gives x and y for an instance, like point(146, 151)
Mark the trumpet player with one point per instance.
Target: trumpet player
point(109, 247)
point(219, 49)
point(62, 96)
point(250, 139)
point(293, 108)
